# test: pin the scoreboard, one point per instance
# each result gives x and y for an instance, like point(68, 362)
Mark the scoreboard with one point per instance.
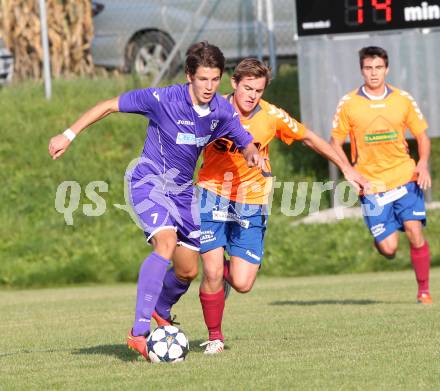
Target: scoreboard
point(317, 17)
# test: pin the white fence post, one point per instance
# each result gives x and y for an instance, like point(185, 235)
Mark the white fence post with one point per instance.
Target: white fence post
point(46, 56)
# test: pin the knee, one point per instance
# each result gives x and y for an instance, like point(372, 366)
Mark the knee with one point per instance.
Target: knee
point(414, 234)
point(187, 274)
point(388, 251)
point(241, 286)
point(416, 241)
point(165, 247)
point(213, 276)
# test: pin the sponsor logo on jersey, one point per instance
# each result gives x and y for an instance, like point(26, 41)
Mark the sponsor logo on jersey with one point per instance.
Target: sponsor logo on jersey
point(391, 196)
point(156, 95)
point(380, 137)
point(207, 236)
point(223, 215)
point(184, 122)
point(191, 139)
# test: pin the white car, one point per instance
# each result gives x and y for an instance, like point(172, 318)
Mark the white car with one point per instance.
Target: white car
point(6, 64)
point(138, 35)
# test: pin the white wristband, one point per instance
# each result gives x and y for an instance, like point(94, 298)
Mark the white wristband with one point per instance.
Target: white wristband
point(70, 134)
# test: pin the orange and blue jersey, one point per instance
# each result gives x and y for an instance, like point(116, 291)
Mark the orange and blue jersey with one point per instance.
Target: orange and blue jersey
point(376, 129)
point(225, 171)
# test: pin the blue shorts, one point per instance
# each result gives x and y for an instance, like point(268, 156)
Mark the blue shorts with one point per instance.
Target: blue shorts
point(384, 213)
point(238, 228)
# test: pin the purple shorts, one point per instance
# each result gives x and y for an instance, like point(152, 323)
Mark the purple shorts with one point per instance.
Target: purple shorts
point(160, 207)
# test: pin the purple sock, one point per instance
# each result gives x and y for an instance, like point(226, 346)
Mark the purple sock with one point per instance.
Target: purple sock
point(172, 290)
point(150, 280)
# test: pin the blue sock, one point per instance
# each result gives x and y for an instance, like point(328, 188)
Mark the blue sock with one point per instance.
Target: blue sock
point(150, 280)
point(172, 290)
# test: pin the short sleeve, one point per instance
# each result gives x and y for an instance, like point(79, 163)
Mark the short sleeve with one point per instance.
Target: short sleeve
point(415, 120)
point(232, 129)
point(145, 101)
point(287, 128)
point(341, 124)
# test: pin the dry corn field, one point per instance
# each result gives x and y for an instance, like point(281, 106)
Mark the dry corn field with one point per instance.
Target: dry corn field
point(70, 31)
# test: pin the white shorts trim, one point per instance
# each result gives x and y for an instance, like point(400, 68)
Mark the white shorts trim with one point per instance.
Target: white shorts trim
point(194, 248)
point(161, 229)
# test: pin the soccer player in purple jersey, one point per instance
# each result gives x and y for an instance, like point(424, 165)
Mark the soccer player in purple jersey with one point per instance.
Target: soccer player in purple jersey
point(183, 119)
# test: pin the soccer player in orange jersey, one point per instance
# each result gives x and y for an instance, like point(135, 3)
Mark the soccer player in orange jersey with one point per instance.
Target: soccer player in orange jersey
point(375, 117)
point(233, 199)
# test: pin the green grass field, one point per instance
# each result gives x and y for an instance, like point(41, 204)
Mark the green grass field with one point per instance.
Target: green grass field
point(346, 332)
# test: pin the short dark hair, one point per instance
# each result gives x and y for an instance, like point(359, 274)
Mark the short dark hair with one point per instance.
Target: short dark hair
point(372, 51)
point(203, 54)
point(251, 67)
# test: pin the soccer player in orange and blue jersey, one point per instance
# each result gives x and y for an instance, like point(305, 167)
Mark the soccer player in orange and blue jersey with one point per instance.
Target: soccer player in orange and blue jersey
point(375, 117)
point(234, 198)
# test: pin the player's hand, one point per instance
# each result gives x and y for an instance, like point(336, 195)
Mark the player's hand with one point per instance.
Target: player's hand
point(252, 156)
point(58, 145)
point(355, 179)
point(255, 160)
point(423, 175)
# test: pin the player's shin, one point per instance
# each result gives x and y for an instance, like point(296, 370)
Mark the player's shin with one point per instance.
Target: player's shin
point(172, 290)
point(213, 305)
point(150, 280)
point(421, 260)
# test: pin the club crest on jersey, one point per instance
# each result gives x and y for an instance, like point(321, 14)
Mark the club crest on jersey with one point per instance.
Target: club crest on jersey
point(214, 124)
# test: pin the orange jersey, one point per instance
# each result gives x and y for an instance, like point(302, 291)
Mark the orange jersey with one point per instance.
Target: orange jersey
point(377, 130)
point(225, 171)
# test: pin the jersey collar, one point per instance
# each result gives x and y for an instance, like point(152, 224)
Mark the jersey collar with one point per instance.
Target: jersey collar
point(361, 92)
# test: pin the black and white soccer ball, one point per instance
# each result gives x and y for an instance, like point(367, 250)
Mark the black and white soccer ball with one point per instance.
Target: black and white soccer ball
point(167, 344)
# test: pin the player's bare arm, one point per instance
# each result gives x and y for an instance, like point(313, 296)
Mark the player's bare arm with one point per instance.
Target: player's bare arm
point(59, 144)
point(319, 145)
point(337, 144)
point(422, 168)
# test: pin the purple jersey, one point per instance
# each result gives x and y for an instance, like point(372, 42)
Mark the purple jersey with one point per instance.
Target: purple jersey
point(176, 134)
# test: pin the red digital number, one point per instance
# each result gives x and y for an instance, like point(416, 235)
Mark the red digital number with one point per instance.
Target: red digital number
point(382, 6)
point(360, 11)
point(354, 12)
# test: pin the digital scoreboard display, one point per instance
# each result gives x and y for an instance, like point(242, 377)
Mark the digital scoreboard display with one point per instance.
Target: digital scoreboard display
point(317, 17)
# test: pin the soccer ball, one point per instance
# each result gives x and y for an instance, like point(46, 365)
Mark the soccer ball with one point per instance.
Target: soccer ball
point(167, 344)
